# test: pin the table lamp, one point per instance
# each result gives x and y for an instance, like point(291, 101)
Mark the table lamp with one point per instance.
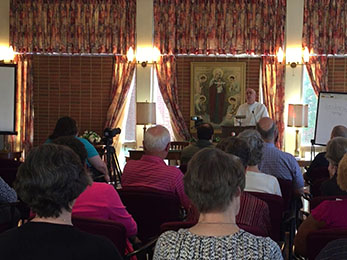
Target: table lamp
point(297, 117)
point(145, 114)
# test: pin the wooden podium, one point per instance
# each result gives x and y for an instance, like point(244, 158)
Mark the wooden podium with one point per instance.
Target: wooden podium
point(229, 130)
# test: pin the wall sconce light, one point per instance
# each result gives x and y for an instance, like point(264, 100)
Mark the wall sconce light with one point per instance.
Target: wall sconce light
point(297, 57)
point(144, 55)
point(280, 55)
point(6, 54)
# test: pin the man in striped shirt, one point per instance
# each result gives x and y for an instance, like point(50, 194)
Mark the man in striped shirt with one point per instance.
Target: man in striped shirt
point(151, 171)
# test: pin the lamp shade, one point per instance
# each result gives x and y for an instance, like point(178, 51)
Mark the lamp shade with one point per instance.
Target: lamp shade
point(145, 113)
point(298, 115)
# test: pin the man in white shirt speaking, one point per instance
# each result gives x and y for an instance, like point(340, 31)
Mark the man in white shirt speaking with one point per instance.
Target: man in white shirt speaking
point(252, 110)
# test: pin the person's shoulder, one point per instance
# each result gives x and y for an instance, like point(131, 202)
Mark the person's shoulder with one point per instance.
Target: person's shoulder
point(84, 141)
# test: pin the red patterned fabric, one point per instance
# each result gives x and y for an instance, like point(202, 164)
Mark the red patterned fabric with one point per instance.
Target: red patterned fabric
point(23, 141)
point(325, 26)
point(273, 88)
point(167, 80)
point(317, 69)
point(219, 26)
point(63, 26)
point(123, 73)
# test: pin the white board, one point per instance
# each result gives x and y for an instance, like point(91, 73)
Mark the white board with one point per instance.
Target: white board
point(7, 98)
point(331, 111)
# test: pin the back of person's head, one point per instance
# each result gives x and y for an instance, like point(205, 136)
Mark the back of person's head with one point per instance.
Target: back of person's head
point(336, 149)
point(255, 144)
point(212, 179)
point(204, 131)
point(339, 130)
point(156, 139)
point(342, 173)
point(75, 144)
point(267, 129)
point(50, 179)
point(65, 126)
point(236, 146)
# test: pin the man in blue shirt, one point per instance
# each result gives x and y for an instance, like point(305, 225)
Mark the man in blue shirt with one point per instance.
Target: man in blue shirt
point(275, 162)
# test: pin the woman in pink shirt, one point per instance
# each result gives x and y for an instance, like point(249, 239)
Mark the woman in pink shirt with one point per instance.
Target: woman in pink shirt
point(328, 214)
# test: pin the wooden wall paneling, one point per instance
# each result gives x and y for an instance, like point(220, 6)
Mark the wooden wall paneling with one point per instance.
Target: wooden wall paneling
point(77, 86)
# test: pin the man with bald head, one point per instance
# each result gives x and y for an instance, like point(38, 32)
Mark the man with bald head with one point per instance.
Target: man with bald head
point(320, 160)
point(251, 109)
point(151, 171)
point(275, 162)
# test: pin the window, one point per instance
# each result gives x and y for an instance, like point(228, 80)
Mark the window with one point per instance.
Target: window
point(310, 98)
point(162, 113)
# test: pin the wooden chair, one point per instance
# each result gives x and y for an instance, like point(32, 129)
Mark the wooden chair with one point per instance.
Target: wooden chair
point(178, 145)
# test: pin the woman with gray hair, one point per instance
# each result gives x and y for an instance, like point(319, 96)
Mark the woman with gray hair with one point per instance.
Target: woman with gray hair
point(255, 179)
point(336, 149)
point(214, 182)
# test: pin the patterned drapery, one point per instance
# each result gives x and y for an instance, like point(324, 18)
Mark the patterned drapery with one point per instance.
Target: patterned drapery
point(219, 26)
point(167, 81)
point(64, 26)
point(317, 69)
point(325, 26)
point(24, 107)
point(123, 72)
point(273, 88)
point(324, 32)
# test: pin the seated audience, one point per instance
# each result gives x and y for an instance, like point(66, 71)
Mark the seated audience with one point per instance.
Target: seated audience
point(214, 182)
point(66, 126)
point(336, 148)
point(320, 160)
point(49, 181)
point(151, 171)
point(205, 134)
point(7, 194)
point(275, 162)
point(255, 179)
point(328, 214)
point(253, 211)
point(100, 200)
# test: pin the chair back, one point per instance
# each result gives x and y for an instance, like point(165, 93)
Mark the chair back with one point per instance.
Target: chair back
point(276, 208)
point(317, 200)
point(287, 192)
point(150, 208)
point(8, 163)
point(111, 230)
point(317, 176)
point(317, 240)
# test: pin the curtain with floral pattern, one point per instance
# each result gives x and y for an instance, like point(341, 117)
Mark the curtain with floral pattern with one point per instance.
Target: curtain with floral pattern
point(123, 73)
point(64, 26)
point(227, 27)
point(167, 81)
point(219, 26)
point(324, 32)
point(273, 88)
point(24, 106)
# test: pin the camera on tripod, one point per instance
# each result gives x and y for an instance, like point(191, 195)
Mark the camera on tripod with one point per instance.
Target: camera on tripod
point(109, 134)
point(111, 157)
point(198, 121)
